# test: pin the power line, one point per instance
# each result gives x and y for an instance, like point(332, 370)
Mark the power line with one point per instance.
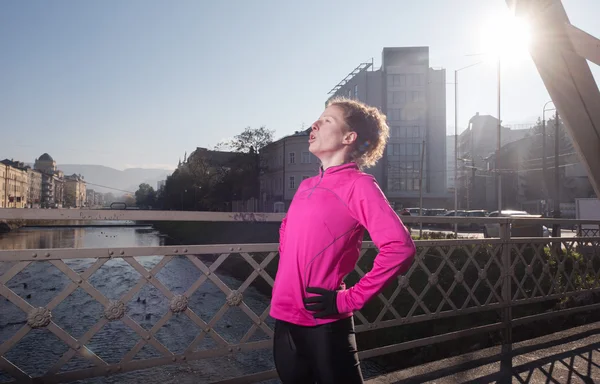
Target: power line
point(104, 186)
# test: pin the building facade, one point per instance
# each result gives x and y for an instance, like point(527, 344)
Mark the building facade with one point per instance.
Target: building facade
point(413, 97)
point(34, 195)
point(475, 145)
point(53, 183)
point(74, 191)
point(284, 164)
point(15, 184)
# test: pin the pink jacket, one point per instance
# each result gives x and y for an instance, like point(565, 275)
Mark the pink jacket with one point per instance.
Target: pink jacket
point(321, 238)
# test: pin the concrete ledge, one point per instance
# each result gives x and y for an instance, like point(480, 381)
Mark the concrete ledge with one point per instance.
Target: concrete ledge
point(568, 356)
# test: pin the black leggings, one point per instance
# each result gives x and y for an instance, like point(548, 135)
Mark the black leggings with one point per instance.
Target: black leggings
point(324, 354)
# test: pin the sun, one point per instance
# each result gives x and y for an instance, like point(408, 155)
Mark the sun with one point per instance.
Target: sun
point(506, 37)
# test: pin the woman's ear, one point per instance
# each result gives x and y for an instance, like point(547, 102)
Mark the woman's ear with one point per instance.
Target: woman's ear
point(350, 138)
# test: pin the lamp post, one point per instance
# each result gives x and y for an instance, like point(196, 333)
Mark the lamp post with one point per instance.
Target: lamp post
point(498, 177)
point(456, 139)
point(544, 166)
point(556, 227)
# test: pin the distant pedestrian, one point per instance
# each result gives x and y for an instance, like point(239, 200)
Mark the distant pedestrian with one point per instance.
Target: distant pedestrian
point(320, 242)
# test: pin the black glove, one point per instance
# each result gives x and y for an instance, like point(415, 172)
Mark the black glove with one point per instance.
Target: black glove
point(325, 304)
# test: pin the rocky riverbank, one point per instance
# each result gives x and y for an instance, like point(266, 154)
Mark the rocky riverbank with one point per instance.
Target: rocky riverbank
point(10, 225)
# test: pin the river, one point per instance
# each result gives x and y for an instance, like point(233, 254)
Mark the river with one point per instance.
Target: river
point(40, 282)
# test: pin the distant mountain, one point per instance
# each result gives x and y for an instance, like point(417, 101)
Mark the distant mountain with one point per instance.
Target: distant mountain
point(127, 180)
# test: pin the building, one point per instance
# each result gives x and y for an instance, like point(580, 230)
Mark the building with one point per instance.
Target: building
point(160, 184)
point(284, 164)
point(524, 185)
point(413, 97)
point(3, 171)
point(450, 162)
point(475, 145)
point(15, 184)
point(90, 198)
point(53, 182)
point(75, 191)
point(35, 188)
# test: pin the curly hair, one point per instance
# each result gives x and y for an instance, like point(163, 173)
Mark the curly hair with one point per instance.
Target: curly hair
point(370, 126)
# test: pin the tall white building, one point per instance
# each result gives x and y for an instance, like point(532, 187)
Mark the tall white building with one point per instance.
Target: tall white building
point(413, 97)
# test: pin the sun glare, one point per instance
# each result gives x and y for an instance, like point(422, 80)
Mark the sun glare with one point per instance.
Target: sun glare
point(506, 37)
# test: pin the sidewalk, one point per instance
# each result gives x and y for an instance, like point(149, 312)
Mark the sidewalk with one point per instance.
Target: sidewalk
point(570, 356)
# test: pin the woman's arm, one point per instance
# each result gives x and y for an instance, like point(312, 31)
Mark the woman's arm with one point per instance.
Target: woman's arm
point(370, 207)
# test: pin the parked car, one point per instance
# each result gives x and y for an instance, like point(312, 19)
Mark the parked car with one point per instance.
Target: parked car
point(453, 213)
point(517, 229)
point(474, 226)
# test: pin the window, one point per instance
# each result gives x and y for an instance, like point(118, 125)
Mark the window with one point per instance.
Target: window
point(399, 80)
point(398, 132)
point(292, 158)
point(356, 91)
point(395, 114)
point(415, 131)
point(415, 79)
point(305, 158)
point(416, 96)
point(292, 182)
point(349, 93)
point(398, 97)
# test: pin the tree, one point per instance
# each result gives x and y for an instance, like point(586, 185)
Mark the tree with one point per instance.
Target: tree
point(249, 140)
point(129, 200)
point(145, 196)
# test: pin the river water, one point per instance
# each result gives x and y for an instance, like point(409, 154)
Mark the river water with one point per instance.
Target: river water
point(40, 282)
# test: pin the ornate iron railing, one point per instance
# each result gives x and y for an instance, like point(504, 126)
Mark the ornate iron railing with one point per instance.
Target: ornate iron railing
point(448, 280)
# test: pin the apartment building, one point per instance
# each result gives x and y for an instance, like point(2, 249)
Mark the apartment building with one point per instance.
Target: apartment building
point(284, 164)
point(14, 184)
point(413, 97)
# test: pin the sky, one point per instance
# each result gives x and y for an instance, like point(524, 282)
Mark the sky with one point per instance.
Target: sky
point(138, 83)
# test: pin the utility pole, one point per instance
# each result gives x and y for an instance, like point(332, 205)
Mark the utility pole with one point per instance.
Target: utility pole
point(498, 174)
point(456, 150)
point(421, 189)
point(544, 166)
point(556, 227)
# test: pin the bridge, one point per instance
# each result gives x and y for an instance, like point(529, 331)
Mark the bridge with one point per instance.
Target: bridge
point(479, 292)
point(457, 290)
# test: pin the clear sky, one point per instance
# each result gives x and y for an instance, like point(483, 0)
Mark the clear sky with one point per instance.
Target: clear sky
point(139, 82)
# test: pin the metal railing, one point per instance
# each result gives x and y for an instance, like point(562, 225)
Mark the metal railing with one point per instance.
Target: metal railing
point(449, 279)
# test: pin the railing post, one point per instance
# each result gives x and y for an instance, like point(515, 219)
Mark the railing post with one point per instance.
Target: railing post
point(506, 358)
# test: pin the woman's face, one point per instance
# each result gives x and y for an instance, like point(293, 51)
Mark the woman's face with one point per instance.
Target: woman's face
point(329, 134)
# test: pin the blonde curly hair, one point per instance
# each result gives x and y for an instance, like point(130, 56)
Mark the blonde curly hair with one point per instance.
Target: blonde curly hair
point(370, 126)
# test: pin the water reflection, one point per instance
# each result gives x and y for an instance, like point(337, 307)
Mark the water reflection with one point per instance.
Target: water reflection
point(80, 237)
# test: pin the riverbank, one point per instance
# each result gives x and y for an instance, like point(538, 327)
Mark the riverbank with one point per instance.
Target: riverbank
point(10, 225)
point(7, 226)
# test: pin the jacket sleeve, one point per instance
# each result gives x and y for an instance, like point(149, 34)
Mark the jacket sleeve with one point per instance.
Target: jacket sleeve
point(370, 208)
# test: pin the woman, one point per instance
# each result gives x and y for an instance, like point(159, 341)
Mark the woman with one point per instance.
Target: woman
point(320, 241)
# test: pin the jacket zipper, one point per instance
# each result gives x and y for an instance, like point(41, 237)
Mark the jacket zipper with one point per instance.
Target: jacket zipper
point(316, 185)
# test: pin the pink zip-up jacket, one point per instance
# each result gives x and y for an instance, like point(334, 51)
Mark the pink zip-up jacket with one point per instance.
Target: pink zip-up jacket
point(321, 238)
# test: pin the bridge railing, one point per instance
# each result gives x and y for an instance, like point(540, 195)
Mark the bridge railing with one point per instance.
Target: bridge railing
point(495, 284)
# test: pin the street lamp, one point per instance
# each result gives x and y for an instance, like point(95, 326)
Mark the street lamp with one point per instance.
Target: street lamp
point(456, 140)
point(544, 166)
point(499, 145)
point(505, 35)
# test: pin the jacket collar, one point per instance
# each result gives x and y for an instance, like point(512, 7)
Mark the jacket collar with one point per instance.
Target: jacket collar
point(338, 168)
